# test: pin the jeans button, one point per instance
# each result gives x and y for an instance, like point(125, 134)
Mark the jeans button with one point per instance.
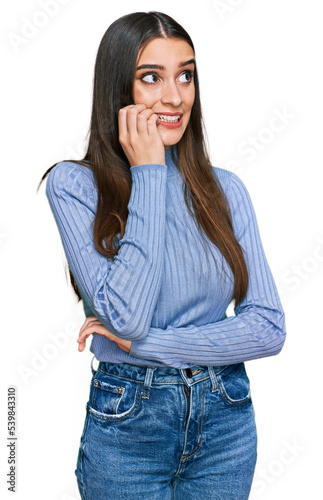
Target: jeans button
point(188, 373)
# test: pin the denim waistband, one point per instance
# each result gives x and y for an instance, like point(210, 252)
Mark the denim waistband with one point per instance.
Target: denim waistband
point(160, 375)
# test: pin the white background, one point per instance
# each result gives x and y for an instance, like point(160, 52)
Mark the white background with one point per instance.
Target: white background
point(256, 58)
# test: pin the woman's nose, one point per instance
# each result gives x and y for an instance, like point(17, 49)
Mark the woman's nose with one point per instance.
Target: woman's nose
point(171, 94)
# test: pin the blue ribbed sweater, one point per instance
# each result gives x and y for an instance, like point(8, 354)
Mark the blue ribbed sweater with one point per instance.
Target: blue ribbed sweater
point(168, 288)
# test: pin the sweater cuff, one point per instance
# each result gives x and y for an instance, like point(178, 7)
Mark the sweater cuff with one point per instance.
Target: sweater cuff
point(148, 166)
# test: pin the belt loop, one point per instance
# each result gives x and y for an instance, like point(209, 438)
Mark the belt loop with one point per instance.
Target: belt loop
point(93, 371)
point(148, 381)
point(213, 379)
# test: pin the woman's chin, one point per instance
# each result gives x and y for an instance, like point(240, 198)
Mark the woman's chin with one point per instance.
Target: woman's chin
point(171, 135)
point(169, 142)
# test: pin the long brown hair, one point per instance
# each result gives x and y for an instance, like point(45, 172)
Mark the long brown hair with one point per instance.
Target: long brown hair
point(114, 73)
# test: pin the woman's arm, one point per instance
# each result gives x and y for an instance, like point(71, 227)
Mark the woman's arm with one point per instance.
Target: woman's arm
point(122, 293)
point(257, 330)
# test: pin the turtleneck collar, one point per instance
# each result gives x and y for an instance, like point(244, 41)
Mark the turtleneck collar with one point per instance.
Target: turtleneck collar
point(172, 169)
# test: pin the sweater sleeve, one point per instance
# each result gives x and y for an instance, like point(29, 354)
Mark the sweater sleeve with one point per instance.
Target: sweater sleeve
point(122, 292)
point(258, 327)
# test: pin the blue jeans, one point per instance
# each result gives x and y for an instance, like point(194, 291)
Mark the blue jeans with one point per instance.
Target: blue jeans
point(167, 434)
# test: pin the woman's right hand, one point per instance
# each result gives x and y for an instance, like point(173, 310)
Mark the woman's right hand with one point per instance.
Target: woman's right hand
point(139, 137)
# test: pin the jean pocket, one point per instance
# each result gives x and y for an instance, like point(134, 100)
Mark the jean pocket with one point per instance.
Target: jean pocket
point(113, 398)
point(234, 385)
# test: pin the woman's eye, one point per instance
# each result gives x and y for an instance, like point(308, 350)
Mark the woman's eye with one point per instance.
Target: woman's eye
point(150, 78)
point(186, 77)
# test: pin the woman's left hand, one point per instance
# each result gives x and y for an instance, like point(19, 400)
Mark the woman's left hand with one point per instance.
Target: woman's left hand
point(93, 325)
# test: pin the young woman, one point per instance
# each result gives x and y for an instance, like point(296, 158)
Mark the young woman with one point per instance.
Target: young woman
point(158, 244)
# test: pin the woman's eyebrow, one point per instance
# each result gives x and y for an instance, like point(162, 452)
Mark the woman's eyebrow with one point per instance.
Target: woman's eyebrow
point(158, 66)
point(186, 63)
point(150, 66)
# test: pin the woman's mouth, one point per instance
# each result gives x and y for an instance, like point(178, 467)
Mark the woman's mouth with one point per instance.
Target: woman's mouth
point(170, 120)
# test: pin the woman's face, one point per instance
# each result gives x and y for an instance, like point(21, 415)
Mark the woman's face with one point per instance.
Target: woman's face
point(164, 83)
